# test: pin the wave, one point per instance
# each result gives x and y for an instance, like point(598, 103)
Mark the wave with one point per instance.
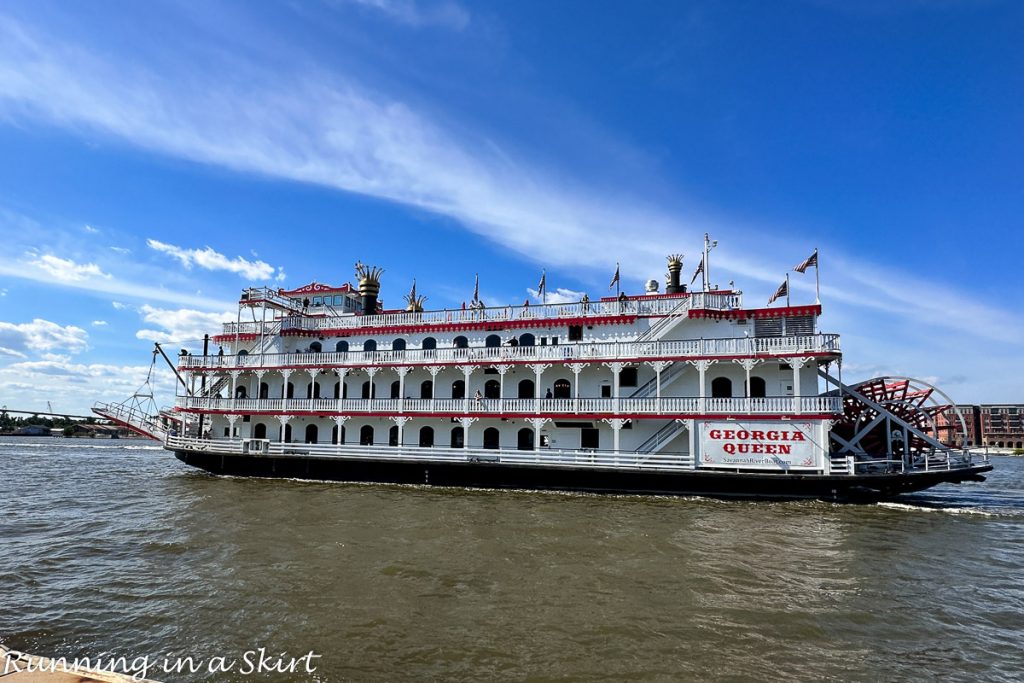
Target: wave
point(920, 507)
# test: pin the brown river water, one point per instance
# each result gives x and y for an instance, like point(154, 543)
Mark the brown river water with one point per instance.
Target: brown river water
point(116, 548)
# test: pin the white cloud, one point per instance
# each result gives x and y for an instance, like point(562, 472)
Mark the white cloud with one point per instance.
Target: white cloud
point(181, 325)
point(210, 259)
point(559, 296)
point(66, 270)
point(443, 13)
point(121, 250)
point(99, 323)
point(118, 305)
point(39, 336)
point(91, 230)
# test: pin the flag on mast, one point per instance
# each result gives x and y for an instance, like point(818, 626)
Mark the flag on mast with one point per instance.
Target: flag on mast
point(700, 269)
point(811, 260)
point(782, 291)
point(615, 278)
point(542, 287)
point(476, 289)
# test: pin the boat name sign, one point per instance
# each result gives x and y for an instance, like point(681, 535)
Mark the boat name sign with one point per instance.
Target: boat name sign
point(759, 445)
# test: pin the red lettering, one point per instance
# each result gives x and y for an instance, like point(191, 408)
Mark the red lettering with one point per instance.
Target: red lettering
point(785, 449)
point(715, 434)
point(757, 435)
point(728, 434)
point(743, 448)
point(757, 448)
point(729, 448)
point(743, 435)
point(771, 449)
point(798, 436)
point(773, 436)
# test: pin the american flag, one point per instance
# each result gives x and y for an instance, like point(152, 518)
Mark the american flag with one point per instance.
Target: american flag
point(476, 289)
point(543, 283)
point(615, 278)
point(811, 260)
point(783, 290)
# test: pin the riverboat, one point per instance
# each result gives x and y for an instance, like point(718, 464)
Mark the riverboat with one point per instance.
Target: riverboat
point(677, 392)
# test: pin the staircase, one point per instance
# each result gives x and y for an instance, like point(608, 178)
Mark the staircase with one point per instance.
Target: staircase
point(838, 464)
point(661, 438)
point(667, 377)
point(664, 325)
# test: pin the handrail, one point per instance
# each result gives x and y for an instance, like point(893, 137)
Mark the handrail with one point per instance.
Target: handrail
point(735, 346)
point(774, 405)
point(546, 457)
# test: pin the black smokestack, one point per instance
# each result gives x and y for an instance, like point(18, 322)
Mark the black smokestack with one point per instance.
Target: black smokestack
point(675, 266)
point(369, 286)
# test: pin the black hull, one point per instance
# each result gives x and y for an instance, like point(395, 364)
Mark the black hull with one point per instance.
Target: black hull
point(506, 476)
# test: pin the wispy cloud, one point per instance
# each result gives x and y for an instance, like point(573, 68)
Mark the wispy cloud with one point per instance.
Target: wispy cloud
point(38, 336)
point(443, 13)
point(180, 325)
point(210, 259)
point(558, 296)
point(66, 270)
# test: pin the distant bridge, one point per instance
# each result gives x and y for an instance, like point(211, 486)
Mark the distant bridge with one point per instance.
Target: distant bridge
point(45, 413)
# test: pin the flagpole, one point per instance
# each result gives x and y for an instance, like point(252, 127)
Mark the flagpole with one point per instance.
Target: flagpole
point(817, 276)
point(704, 262)
point(544, 291)
point(787, 290)
point(618, 278)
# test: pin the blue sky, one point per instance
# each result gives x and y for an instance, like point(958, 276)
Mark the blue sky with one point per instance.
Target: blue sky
point(157, 157)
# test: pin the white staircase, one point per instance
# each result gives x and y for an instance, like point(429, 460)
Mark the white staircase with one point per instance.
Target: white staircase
point(133, 418)
point(666, 324)
point(661, 438)
point(667, 377)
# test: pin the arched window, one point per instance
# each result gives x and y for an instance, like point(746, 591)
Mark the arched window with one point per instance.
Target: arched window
point(393, 436)
point(243, 352)
point(562, 388)
point(259, 431)
point(366, 435)
point(370, 345)
point(458, 437)
point(527, 339)
point(311, 433)
point(264, 390)
point(491, 438)
point(492, 389)
point(367, 388)
point(758, 388)
point(492, 341)
point(316, 347)
point(426, 389)
point(525, 442)
point(398, 344)
point(337, 389)
point(291, 390)
point(287, 433)
point(426, 437)
point(628, 377)
point(526, 389)
point(721, 387)
point(460, 342)
point(459, 389)
point(429, 344)
point(240, 392)
point(341, 347)
point(334, 435)
point(396, 389)
point(313, 390)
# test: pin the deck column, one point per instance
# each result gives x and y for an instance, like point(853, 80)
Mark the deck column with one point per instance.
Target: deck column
point(402, 371)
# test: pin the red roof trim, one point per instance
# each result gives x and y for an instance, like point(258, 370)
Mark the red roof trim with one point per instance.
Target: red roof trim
point(487, 326)
point(754, 313)
point(316, 288)
point(513, 416)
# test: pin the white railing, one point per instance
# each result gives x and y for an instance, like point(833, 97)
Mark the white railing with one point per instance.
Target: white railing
point(940, 460)
point(136, 419)
point(775, 405)
point(597, 351)
point(653, 306)
point(545, 457)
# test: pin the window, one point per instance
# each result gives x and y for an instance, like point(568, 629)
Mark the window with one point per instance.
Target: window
point(526, 389)
point(575, 332)
point(240, 392)
point(628, 377)
point(337, 390)
point(393, 436)
point(290, 391)
point(259, 431)
point(398, 345)
point(311, 433)
point(334, 435)
point(458, 438)
point(316, 347)
point(491, 438)
point(341, 347)
point(318, 300)
point(590, 438)
point(367, 388)
point(287, 433)
point(429, 344)
point(264, 390)
point(563, 388)
point(606, 391)
point(492, 389)
point(527, 339)
point(525, 440)
point(426, 389)
point(366, 435)
point(459, 389)
point(426, 437)
point(370, 345)
point(461, 342)
point(721, 387)
point(396, 388)
point(758, 387)
point(492, 341)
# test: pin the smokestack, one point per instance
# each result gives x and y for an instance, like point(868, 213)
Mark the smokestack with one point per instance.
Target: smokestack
point(369, 286)
point(675, 266)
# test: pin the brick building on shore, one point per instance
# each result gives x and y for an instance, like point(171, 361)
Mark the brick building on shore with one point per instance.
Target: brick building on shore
point(997, 425)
